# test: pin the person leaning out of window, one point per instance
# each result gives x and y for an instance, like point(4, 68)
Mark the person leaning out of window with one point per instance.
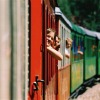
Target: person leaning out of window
point(68, 46)
point(79, 50)
point(53, 44)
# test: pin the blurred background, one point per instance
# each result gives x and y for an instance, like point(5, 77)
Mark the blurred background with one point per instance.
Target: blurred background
point(13, 49)
point(82, 12)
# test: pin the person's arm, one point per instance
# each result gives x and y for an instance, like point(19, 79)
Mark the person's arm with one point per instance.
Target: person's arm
point(80, 52)
point(56, 54)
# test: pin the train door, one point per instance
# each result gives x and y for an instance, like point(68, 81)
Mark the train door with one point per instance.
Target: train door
point(35, 76)
point(44, 60)
point(49, 63)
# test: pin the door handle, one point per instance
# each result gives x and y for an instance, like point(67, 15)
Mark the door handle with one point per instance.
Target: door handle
point(36, 88)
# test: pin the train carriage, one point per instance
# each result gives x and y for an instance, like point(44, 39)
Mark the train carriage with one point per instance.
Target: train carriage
point(64, 65)
point(35, 68)
point(98, 54)
point(90, 54)
point(27, 69)
point(63, 78)
point(42, 79)
point(99, 57)
point(49, 70)
point(77, 60)
point(83, 63)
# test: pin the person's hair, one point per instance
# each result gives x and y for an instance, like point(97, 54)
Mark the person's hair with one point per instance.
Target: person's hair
point(50, 30)
point(57, 36)
point(69, 40)
point(66, 42)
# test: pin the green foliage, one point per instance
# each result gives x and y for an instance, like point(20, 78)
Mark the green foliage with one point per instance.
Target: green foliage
point(65, 7)
point(82, 12)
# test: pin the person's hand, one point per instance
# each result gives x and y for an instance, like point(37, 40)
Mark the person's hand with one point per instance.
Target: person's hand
point(80, 52)
point(57, 46)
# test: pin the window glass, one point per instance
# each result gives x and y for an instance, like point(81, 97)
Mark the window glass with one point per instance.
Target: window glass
point(77, 47)
point(90, 48)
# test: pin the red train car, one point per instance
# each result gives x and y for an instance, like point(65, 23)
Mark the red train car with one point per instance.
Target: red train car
point(43, 67)
point(35, 73)
point(49, 63)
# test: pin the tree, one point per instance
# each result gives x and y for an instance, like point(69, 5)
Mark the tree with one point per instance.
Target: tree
point(82, 12)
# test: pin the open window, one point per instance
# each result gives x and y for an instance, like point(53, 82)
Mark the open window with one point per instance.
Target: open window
point(77, 47)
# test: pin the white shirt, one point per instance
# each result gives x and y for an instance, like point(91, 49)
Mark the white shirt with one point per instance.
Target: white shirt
point(67, 53)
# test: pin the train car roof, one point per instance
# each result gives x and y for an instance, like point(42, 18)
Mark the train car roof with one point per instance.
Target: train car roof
point(88, 32)
point(98, 35)
point(76, 28)
point(58, 12)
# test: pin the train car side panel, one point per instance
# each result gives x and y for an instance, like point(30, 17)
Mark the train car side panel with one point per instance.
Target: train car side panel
point(48, 61)
point(76, 62)
point(90, 57)
point(99, 58)
point(64, 83)
point(36, 41)
point(64, 65)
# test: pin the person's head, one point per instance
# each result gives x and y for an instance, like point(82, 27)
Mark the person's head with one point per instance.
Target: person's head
point(94, 47)
point(68, 42)
point(79, 47)
point(57, 42)
point(50, 36)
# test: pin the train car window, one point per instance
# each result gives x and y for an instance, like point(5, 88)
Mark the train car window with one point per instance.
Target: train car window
point(74, 48)
point(77, 48)
point(99, 49)
point(64, 47)
point(48, 56)
point(46, 67)
point(60, 31)
point(80, 48)
point(91, 48)
point(61, 63)
point(99, 57)
point(66, 35)
point(51, 21)
point(62, 44)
